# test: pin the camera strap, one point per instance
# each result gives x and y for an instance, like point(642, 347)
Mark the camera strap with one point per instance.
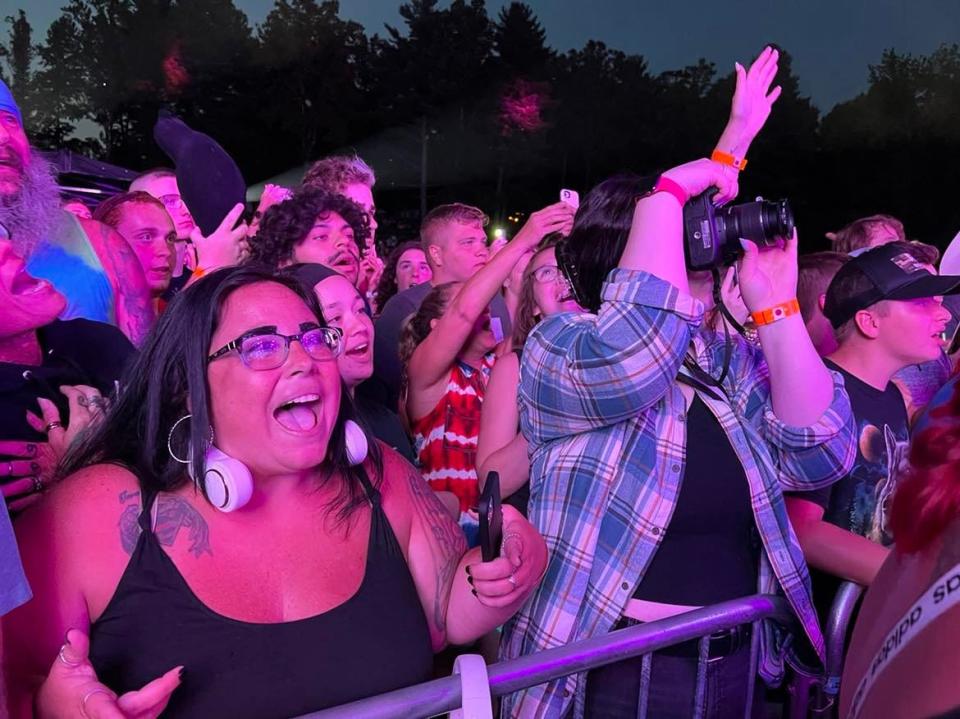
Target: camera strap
point(699, 378)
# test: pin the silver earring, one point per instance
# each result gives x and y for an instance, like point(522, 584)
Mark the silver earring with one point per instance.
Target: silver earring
point(170, 440)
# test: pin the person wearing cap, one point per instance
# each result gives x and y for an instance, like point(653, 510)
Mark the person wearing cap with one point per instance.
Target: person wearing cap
point(88, 263)
point(886, 308)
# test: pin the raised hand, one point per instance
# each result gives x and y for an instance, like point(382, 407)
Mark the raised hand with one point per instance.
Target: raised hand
point(752, 102)
point(225, 246)
point(72, 688)
point(770, 277)
point(557, 217)
point(700, 175)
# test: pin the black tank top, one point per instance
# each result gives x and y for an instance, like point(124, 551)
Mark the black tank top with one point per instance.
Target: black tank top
point(376, 641)
point(711, 547)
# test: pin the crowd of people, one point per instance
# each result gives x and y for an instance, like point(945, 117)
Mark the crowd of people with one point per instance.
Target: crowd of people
point(242, 454)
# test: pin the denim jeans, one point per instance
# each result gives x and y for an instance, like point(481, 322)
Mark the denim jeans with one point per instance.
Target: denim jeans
point(613, 691)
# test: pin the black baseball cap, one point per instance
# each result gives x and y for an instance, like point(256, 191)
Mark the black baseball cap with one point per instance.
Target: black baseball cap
point(892, 273)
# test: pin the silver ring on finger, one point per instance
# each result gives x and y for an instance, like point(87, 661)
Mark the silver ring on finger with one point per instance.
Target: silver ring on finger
point(37, 484)
point(513, 580)
point(96, 690)
point(53, 425)
point(65, 660)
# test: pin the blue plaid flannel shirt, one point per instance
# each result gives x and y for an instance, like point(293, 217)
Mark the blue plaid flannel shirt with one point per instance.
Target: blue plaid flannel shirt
point(605, 419)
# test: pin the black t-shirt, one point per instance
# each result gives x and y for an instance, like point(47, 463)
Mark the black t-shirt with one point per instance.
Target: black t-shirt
point(74, 352)
point(711, 548)
point(859, 502)
point(386, 427)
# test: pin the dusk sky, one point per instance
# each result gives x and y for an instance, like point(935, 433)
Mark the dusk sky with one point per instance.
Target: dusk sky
point(832, 41)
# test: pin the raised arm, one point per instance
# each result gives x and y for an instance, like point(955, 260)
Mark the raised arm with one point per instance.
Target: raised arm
point(589, 372)
point(133, 304)
point(501, 448)
point(431, 361)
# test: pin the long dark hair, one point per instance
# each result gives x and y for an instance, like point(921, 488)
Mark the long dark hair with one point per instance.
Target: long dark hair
point(600, 231)
point(170, 374)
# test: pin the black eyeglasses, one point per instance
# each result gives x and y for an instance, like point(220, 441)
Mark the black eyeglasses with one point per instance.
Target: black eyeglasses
point(264, 348)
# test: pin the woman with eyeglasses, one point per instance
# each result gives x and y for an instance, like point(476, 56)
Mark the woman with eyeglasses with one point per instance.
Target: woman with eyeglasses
point(305, 567)
point(501, 447)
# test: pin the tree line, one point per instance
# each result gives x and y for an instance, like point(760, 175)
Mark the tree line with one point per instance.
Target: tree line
point(482, 105)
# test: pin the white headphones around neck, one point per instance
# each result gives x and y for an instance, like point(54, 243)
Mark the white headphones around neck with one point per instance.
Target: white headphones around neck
point(228, 484)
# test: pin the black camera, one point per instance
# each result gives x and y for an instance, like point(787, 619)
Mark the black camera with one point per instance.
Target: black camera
point(711, 235)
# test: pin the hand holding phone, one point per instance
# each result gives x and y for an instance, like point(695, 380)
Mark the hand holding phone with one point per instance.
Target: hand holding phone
point(571, 197)
point(491, 518)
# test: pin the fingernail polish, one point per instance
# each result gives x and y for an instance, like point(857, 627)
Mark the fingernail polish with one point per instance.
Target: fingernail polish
point(31, 449)
point(34, 467)
point(180, 674)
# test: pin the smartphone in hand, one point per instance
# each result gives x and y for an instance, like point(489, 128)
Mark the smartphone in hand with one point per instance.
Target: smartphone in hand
point(491, 518)
point(571, 197)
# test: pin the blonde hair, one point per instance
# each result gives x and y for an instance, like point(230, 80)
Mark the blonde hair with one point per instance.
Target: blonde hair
point(439, 216)
point(858, 233)
point(334, 173)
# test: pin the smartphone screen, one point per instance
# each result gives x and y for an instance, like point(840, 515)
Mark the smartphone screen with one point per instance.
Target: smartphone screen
point(491, 518)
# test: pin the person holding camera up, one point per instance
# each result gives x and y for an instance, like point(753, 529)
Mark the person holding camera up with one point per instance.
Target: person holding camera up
point(642, 423)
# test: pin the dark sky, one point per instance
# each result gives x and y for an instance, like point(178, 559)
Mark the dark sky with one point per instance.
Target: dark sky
point(832, 41)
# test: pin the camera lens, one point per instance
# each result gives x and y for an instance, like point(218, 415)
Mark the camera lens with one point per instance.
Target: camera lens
point(761, 222)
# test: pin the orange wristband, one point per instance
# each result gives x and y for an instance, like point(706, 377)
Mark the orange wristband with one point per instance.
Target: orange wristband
point(775, 313)
point(725, 158)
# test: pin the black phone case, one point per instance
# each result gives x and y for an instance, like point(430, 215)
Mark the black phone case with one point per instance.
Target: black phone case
point(491, 518)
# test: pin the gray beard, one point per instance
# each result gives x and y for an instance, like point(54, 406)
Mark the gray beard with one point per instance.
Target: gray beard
point(30, 214)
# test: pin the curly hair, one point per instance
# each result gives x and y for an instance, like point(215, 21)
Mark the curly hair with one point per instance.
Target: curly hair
point(858, 233)
point(334, 173)
point(287, 224)
point(416, 328)
point(387, 287)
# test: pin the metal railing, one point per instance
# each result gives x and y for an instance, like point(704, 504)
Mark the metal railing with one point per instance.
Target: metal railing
point(815, 694)
point(443, 695)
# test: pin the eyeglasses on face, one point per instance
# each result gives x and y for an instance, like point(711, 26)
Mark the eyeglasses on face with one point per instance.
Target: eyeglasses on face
point(172, 202)
point(547, 273)
point(264, 348)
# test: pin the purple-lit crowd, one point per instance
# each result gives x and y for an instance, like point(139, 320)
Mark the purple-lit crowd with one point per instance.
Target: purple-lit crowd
point(241, 451)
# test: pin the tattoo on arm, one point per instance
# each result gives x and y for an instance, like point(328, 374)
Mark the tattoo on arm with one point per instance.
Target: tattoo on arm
point(447, 543)
point(172, 514)
point(134, 311)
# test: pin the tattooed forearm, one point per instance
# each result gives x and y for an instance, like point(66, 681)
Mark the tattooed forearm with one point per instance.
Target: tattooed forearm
point(171, 514)
point(447, 543)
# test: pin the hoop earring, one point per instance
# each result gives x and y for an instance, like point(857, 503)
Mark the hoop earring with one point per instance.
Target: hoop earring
point(356, 443)
point(170, 440)
point(227, 482)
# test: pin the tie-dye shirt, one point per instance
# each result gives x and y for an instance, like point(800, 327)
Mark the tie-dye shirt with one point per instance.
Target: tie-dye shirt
point(68, 261)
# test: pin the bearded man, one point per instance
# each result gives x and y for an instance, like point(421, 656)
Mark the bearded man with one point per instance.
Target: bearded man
point(88, 263)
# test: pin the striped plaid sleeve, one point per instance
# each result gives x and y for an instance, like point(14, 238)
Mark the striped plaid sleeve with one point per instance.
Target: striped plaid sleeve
point(590, 372)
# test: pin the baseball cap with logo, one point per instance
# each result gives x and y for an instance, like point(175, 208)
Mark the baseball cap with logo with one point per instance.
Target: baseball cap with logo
point(891, 273)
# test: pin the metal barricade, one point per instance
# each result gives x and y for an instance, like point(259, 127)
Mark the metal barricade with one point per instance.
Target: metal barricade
point(814, 694)
point(443, 695)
